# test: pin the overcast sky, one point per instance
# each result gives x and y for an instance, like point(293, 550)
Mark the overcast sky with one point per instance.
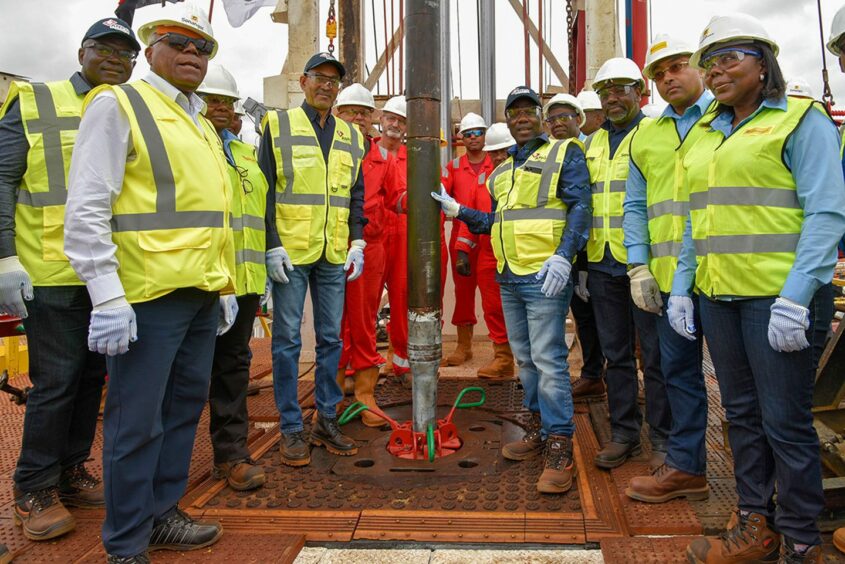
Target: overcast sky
point(39, 38)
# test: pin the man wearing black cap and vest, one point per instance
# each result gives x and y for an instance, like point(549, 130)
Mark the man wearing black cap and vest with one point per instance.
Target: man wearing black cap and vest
point(37, 134)
point(315, 236)
point(539, 221)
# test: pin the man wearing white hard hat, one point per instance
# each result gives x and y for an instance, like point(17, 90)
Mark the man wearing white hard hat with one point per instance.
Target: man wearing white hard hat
point(619, 84)
point(147, 229)
point(591, 105)
point(229, 422)
point(656, 203)
point(564, 117)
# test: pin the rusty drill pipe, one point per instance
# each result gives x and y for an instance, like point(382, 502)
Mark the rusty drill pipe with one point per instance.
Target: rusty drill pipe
point(422, 77)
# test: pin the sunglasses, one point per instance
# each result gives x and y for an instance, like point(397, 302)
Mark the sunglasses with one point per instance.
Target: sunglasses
point(674, 68)
point(355, 113)
point(615, 89)
point(515, 113)
point(331, 81)
point(561, 118)
point(727, 58)
point(478, 132)
point(180, 42)
point(107, 51)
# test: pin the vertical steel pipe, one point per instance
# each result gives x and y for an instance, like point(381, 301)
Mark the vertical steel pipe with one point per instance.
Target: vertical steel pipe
point(445, 78)
point(487, 59)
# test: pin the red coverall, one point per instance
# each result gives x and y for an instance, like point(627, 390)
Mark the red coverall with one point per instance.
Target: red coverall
point(363, 295)
point(485, 265)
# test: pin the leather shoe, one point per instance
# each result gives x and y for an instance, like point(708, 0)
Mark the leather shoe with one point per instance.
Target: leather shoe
point(616, 453)
point(241, 475)
point(177, 531)
point(41, 514)
point(326, 432)
point(142, 558)
point(295, 450)
point(667, 483)
point(79, 488)
point(588, 388)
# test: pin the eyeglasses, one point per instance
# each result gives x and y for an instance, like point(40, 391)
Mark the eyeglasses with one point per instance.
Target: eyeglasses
point(674, 68)
point(245, 183)
point(726, 58)
point(516, 113)
point(106, 51)
point(561, 118)
point(355, 113)
point(332, 81)
point(180, 42)
point(477, 132)
point(217, 99)
point(615, 89)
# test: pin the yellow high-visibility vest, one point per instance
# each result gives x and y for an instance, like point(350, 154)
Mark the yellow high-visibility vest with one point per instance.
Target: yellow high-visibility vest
point(249, 201)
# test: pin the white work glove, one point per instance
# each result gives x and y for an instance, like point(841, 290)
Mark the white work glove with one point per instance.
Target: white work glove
point(15, 287)
point(277, 261)
point(680, 313)
point(581, 289)
point(644, 290)
point(447, 203)
point(228, 313)
point(787, 325)
point(268, 291)
point(112, 327)
point(556, 270)
point(355, 259)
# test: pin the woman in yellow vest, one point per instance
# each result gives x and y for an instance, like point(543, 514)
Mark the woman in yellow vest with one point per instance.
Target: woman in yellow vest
point(767, 207)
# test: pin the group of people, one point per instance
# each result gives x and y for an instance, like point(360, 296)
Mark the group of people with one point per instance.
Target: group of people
point(139, 236)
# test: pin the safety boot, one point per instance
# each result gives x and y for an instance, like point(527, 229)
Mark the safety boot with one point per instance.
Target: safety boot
point(559, 466)
point(294, 449)
point(326, 432)
point(365, 387)
point(615, 453)
point(241, 475)
point(78, 488)
point(749, 539)
point(178, 531)
point(5, 555)
point(531, 444)
point(345, 383)
point(839, 539)
point(588, 388)
point(462, 352)
point(501, 367)
point(41, 514)
point(790, 555)
point(667, 483)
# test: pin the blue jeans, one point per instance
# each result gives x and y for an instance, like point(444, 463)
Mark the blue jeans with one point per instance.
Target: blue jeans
point(328, 285)
point(536, 334)
point(767, 396)
point(680, 360)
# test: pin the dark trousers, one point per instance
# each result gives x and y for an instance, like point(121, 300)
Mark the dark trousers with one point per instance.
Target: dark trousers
point(156, 394)
point(229, 423)
point(588, 337)
point(67, 379)
point(823, 314)
point(767, 396)
point(618, 322)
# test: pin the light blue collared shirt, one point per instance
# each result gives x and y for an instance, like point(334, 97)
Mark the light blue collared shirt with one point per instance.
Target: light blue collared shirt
point(635, 220)
point(812, 153)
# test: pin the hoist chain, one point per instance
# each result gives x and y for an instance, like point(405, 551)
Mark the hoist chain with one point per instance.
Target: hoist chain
point(570, 32)
point(331, 27)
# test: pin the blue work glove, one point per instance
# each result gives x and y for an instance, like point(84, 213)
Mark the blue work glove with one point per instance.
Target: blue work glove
point(278, 262)
point(680, 313)
point(355, 259)
point(112, 327)
point(228, 313)
point(447, 203)
point(15, 287)
point(787, 326)
point(556, 270)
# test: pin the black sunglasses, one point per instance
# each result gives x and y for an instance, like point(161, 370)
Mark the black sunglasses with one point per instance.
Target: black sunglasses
point(180, 42)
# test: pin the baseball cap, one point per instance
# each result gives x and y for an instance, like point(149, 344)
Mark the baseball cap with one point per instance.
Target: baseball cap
point(521, 92)
point(324, 57)
point(112, 26)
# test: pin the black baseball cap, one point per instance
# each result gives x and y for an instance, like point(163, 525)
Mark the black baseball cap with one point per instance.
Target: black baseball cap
point(522, 92)
point(322, 58)
point(112, 26)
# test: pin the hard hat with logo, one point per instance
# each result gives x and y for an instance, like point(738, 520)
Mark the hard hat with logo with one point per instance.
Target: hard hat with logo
point(498, 137)
point(356, 95)
point(837, 29)
point(589, 100)
point(219, 81)
point(396, 105)
point(618, 68)
point(731, 28)
point(186, 15)
point(799, 88)
point(663, 47)
point(472, 121)
point(566, 100)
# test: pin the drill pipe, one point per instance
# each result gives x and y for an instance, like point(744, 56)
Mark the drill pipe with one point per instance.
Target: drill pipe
point(422, 77)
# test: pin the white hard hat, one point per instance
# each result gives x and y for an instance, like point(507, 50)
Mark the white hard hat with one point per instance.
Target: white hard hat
point(652, 111)
point(799, 88)
point(837, 28)
point(566, 100)
point(396, 105)
point(618, 68)
point(471, 121)
point(356, 95)
point(589, 100)
point(733, 28)
point(219, 81)
point(663, 47)
point(239, 108)
point(498, 137)
point(183, 14)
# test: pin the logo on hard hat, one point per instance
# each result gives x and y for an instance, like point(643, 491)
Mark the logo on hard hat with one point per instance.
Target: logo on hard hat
point(658, 47)
point(111, 24)
point(705, 34)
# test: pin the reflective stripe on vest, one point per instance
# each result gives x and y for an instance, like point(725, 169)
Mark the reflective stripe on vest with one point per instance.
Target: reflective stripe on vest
point(249, 203)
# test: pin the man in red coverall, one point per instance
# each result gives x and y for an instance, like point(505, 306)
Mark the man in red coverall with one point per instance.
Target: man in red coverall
point(497, 141)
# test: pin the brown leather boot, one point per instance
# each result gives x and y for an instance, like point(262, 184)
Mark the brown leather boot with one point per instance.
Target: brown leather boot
point(365, 387)
point(501, 367)
point(749, 540)
point(42, 515)
point(559, 466)
point(616, 453)
point(667, 483)
point(241, 475)
point(839, 539)
point(531, 444)
point(463, 352)
point(588, 388)
point(346, 384)
point(78, 488)
point(790, 555)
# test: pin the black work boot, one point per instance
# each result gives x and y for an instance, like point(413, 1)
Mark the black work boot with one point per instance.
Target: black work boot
point(177, 531)
point(326, 432)
point(295, 450)
point(531, 444)
point(615, 453)
point(142, 558)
